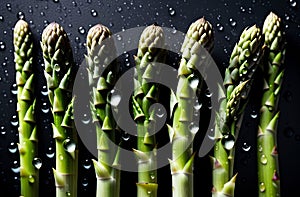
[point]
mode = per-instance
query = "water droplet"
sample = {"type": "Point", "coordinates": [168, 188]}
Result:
{"type": "Point", "coordinates": [228, 141]}
{"type": "Point", "coordinates": [50, 153]}
{"type": "Point", "coordinates": [44, 91]}
{"type": "Point", "coordinates": [68, 193]}
{"type": "Point", "coordinates": [1, 18]}
{"type": "Point", "coordinates": [56, 1]}
{"type": "Point", "coordinates": [228, 39]}
{"type": "Point", "coordinates": [250, 10]}
{"type": "Point", "coordinates": [14, 89]}
{"type": "Point", "coordinates": [149, 192]}
{"type": "Point", "coordinates": [45, 108]}
{"type": "Point", "coordinates": [69, 145]}
{"type": "Point", "coordinates": [31, 179]}
{"type": "Point", "coordinates": [220, 27]}
{"type": "Point", "coordinates": [197, 105]}
{"type": "Point", "coordinates": [2, 130]}
{"type": "Point", "coordinates": [87, 164]}
{"type": "Point", "coordinates": [111, 24]}
{"type": "Point", "coordinates": [37, 163]}
{"type": "Point", "coordinates": [253, 114]}
{"type": "Point", "coordinates": [15, 167]}
{"type": "Point", "coordinates": [89, 1]}
{"type": "Point", "coordinates": [84, 182]}
{"type": "Point", "coordinates": [289, 132]}
{"type": "Point", "coordinates": [152, 176]}
{"type": "Point", "coordinates": [94, 13]}
{"type": "Point", "coordinates": [14, 121]}
{"type": "Point", "coordinates": [2, 46]}
{"type": "Point", "coordinates": [119, 9]}
{"type": "Point", "coordinates": [172, 12]}
{"type": "Point", "coordinates": [194, 128]}
{"type": "Point", "coordinates": [119, 37]}
{"type": "Point", "coordinates": [81, 30]}
{"type": "Point", "coordinates": [115, 98]}
{"type": "Point", "coordinates": [125, 136]}
{"type": "Point", "coordinates": [208, 94]}
{"type": "Point", "coordinates": [86, 119]}
{"type": "Point", "coordinates": [42, 13]}
{"type": "Point", "coordinates": [8, 7]}
{"type": "Point", "coordinates": [263, 159]}
{"type": "Point", "coordinates": [57, 67]}
{"type": "Point", "coordinates": [242, 9]}
{"type": "Point", "coordinates": [262, 187]}
{"type": "Point", "coordinates": [194, 82]}
{"type": "Point", "coordinates": [232, 22]}
{"type": "Point", "coordinates": [12, 148]}
{"type": "Point", "coordinates": [246, 147]}
{"type": "Point", "coordinates": [293, 3]}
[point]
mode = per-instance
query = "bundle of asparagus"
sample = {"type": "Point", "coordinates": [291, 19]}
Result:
{"type": "Point", "coordinates": [243, 63]}
{"type": "Point", "coordinates": [199, 34]}
{"type": "Point", "coordinates": [103, 72]}
{"type": "Point", "coordinates": [150, 51]}
{"type": "Point", "coordinates": [60, 73]}
{"type": "Point", "coordinates": [23, 45]}
{"type": "Point", "coordinates": [268, 175]}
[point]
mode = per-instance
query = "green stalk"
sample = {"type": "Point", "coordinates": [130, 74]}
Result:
{"type": "Point", "coordinates": [150, 51]}
{"type": "Point", "coordinates": [243, 63]}
{"type": "Point", "coordinates": [103, 72]}
{"type": "Point", "coordinates": [28, 148]}
{"type": "Point", "coordinates": [268, 174]}
{"type": "Point", "coordinates": [60, 74]}
{"type": "Point", "coordinates": [182, 131]}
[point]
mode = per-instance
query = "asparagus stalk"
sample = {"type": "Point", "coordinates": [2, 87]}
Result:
{"type": "Point", "coordinates": [150, 51]}
{"type": "Point", "coordinates": [60, 74]}
{"type": "Point", "coordinates": [268, 175]}
{"type": "Point", "coordinates": [182, 133]}
{"type": "Point", "coordinates": [243, 63]}
{"type": "Point", "coordinates": [103, 71]}
{"type": "Point", "coordinates": [23, 45]}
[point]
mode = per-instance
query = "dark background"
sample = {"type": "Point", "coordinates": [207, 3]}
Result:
{"type": "Point", "coordinates": [228, 18]}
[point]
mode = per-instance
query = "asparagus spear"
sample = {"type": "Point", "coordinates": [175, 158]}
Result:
{"type": "Point", "coordinates": [60, 74]}
{"type": "Point", "coordinates": [199, 34]}
{"type": "Point", "coordinates": [268, 175]}
{"type": "Point", "coordinates": [238, 77]}
{"type": "Point", "coordinates": [23, 46]}
{"type": "Point", "coordinates": [103, 72]}
{"type": "Point", "coordinates": [150, 51]}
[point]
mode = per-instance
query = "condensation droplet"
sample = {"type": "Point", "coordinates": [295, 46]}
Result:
{"type": "Point", "coordinates": [15, 167]}
{"type": "Point", "coordinates": [208, 94]}
{"type": "Point", "coordinates": [37, 163]}
{"type": "Point", "coordinates": [194, 83]}
{"type": "Point", "coordinates": [125, 136]}
{"type": "Point", "coordinates": [12, 148]}
{"type": "Point", "coordinates": [14, 121]}
{"type": "Point", "coordinates": [68, 193]}
{"type": "Point", "coordinates": [262, 187]}
{"type": "Point", "coordinates": [21, 15]}
{"type": "Point", "coordinates": [119, 9]}
{"type": "Point", "coordinates": [263, 159]}
{"type": "Point", "coordinates": [31, 179]}
{"type": "Point", "coordinates": [8, 7]}
{"type": "Point", "coordinates": [253, 114]}
{"type": "Point", "coordinates": [86, 119]}
{"type": "Point", "coordinates": [197, 105]}
{"type": "Point", "coordinates": [14, 89]}
{"type": "Point", "coordinates": [69, 145]}
{"type": "Point", "coordinates": [194, 128]}
{"type": "Point", "coordinates": [228, 141]}
{"type": "Point", "coordinates": [44, 91]}
{"type": "Point", "coordinates": [172, 11]}
{"type": "Point", "coordinates": [119, 37]}
{"type": "Point", "coordinates": [293, 3]}
{"type": "Point", "coordinates": [111, 24]}
{"type": "Point", "coordinates": [1, 18]}
{"type": "Point", "coordinates": [56, 1]}
{"type": "Point", "coordinates": [50, 153]}
{"type": "Point", "coordinates": [81, 30]}
{"type": "Point", "coordinates": [220, 27]}
{"type": "Point", "coordinates": [45, 108]}
{"type": "Point", "coordinates": [2, 46]}
{"type": "Point", "coordinates": [87, 164]}
{"type": "Point", "coordinates": [246, 147]}
{"type": "Point", "coordinates": [84, 182]}
{"type": "Point", "coordinates": [94, 13]}
{"type": "Point", "coordinates": [2, 130]}
{"type": "Point", "coordinates": [115, 98]}
{"type": "Point", "coordinates": [232, 22]}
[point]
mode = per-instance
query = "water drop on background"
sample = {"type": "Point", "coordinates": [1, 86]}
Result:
{"type": "Point", "coordinates": [125, 136]}
{"type": "Point", "coordinates": [194, 128]}
{"type": "Point", "coordinates": [263, 159]}
{"type": "Point", "coordinates": [115, 98]}
{"type": "Point", "coordinates": [14, 89]}
{"type": "Point", "coordinates": [15, 167]}
{"type": "Point", "coordinates": [8, 7]}
{"type": "Point", "coordinates": [232, 22]}
{"type": "Point", "coordinates": [21, 15]}
{"type": "Point", "coordinates": [94, 13]}
{"type": "Point", "coordinates": [44, 91]}
{"type": "Point", "coordinates": [253, 114]}
{"type": "Point", "coordinates": [208, 94]}
{"type": "Point", "coordinates": [1, 18]}
{"type": "Point", "coordinates": [119, 9]}
{"type": "Point", "coordinates": [37, 163]}
{"type": "Point", "coordinates": [293, 3]}
{"type": "Point", "coordinates": [246, 147]}
{"type": "Point", "coordinates": [172, 12]}
{"type": "Point", "coordinates": [2, 130]}
{"type": "Point", "coordinates": [14, 120]}
{"type": "Point", "coordinates": [2, 46]}
{"type": "Point", "coordinates": [220, 27]}
{"type": "Point", "coordinates": [86, 119]}
{"type": "Point", "coordinates": [56, 1]}
{"type": "Point", "coordinates": [45, 108]}
{"type": "Point", "coordinates": [228, 141]}
{"type": "Point", "coordinates": [12, 148]}
{"type": "Point", "coordinates": [50, 153]}
{"type": "Point", "coordinates": [84, 182]}
{"type": "Point", "coordinates": [81, 30]}
{"type": "Point", "coordinates": [86, 164]}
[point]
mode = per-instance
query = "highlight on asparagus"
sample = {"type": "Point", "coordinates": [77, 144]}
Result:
{"type": "Point", "coordinates": [238, 79]}
{"type": "Point", "coordinates": [28, 147]}
{"type": "Point", "coordinates": [60, 72]}
{"type": "Point", "coordinates": [103, 72]}
{"type": "Point", "coordinates": [183, 129]}
{"type": "Point", "coordinates": [150, 51]}
{"type": "Point", "coordinates": [268, 174]}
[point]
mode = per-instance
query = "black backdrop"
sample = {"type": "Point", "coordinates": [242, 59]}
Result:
{"type": "Point", "coordinates": [228, 19]}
